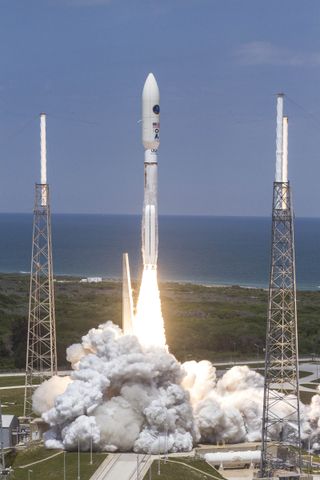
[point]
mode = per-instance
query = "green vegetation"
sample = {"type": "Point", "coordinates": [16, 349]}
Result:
{"type": "Point", "coordinates": [189, 468]}
{"type": "Point", "coordinates": [197, 463]}
{"type": "Point", "coordinates": [214, 323]}
{"type": "Point", "coordinates": [223, 323]}
{"type": "Point", "coordinates": [303, 374]}
{"type": "Point", "coordinates": [52, 468]}
{"type": "Point", "coordinates": [79, 307]}
{"type": "Point", "coordinates": [311, 385]}
{"type": "Point", "coordinates": [12, 381]}
{"type": "Point", "coordinates": [12, 401]}
{"type": "Point", "coordinates": [305, 397]}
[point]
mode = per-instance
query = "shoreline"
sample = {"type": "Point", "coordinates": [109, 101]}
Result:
{"type": "Point", "coordinates": [59, 276]}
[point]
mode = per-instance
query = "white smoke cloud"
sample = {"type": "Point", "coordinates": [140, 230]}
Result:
{"type": "Point", "coordinates": [74, 354]}
{"type": "Point", "coordinates": [44, 397]}
{"type": "Point", "coordinates": [122, 396]}
{"type": "Point", "coordinates": [125, 393]}
{"type": "Point", "coordinates": [199, 380]}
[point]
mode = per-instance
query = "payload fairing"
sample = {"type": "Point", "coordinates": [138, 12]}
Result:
{"type": "Point", "coordinates": [151, 142]}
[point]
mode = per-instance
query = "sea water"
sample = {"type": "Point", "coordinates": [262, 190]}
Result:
{"type": "Point", "coordinates": [199, 249]}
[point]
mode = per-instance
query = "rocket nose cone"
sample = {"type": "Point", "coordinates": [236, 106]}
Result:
{"type": "Point", "coordinates": [151, 114]}
{"type": "Point", "coordinates": [151, 80]}
{"type": "Point", "coordinates": [150, 85]}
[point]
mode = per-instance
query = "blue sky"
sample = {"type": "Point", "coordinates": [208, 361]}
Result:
{"type": "Point", "coordinates": [218, 63]}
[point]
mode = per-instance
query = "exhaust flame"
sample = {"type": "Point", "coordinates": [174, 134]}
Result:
{"type": "Point", "coordinates": [148, 323]}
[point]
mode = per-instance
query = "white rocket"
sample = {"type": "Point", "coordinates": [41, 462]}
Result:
{"type": "Point", "coordinates": [151, 142]}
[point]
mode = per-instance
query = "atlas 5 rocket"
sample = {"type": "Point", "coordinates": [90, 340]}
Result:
{"type": "Point", "coordinates": [151, 142]}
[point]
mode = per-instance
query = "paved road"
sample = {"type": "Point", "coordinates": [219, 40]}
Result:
{"type": "Point", "coordinates": [243, 474]}
{"type": "Point", "coordinates": [12, 387]}
{"type": "Point", "coordinates": [105, 467]}
{"type": "Point", "coordinates": [261, 362]}
{"type": "Point", "coordinates": [123, 467]}
{"type": "Point", "coordinates": [22, 374]}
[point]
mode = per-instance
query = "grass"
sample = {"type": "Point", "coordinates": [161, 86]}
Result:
{"type": "Point", "coordinates": [174, 471]}
{"type": "Point", "coordinates": [305, 397]}
{"type": "Point", "coordinates": [52, 469]}
{"type": "Point", "coordinates": [303, 374]}
{"type": "Point", "coordinates": [84, 305]}
{"type": "Point", "coordinates": [12, 401]}
{"type": "Point", "coordinates": [11, 381]}
{"type": "Point", "coordinates": [198, 463]}
{"type": "Point", "coordinates": [310, 385]}
{"type": "Point", "coordinates": [214, 323]}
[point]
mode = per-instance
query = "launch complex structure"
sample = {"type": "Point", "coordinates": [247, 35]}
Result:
{"type": "Point", "coordinates": [281, 361]}
{"type": "Point", "coordinates": [281, 384]}
{"type": "Point", "coordinates": [41, 358]}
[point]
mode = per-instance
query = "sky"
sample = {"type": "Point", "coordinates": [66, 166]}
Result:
{"type": "Point", "coordinates": [219, 65]}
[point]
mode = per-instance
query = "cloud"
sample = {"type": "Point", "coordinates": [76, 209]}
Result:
{"type": "Point", "coordinates": [265, 53]}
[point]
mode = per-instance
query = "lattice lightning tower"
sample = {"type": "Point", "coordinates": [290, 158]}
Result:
{"type": "Point", "coordinates": [281, 440]}
{"type": "Point", "coordinates": [41, 358]}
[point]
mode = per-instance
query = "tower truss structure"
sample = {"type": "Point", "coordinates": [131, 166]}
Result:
{"type": "Point", "coordinates": [281, 439]}
{"type": "Point", "coordinates": [41, 357]}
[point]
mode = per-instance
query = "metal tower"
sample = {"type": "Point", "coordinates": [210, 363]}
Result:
{"type": "Point", "coordinates": [41, 358]}
{"type": "Point", "coordinates": [281, 414]}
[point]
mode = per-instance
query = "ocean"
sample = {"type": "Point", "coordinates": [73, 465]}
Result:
{"type": "Point", "coordinates": [198, 249]}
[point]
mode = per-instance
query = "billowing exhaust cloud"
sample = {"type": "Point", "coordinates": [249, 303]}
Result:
{"type": "Point", "coordinates": [122, 395]}
{"type": "Point", "coordinates": [125, 396]}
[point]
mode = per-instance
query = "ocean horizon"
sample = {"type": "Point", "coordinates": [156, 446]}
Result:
{"type": "Point", "coordinates": [209, 250]}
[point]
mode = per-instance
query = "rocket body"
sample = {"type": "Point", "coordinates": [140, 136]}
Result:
{"type": "Point", "coordinates": [151, 141]}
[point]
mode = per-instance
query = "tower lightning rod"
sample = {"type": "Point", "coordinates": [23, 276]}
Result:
{"type": "Point", "coordinates": [284, 166]}
{"type": "Point", "coordinates": [43, 161]}
{"type": "Point", "coordinates": [285, 150]}
{"type": "Point", "coordinates": [279, 138]}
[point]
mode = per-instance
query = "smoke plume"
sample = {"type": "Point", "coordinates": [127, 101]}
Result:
{"type": "Point", "coordinates": [124, 396]}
